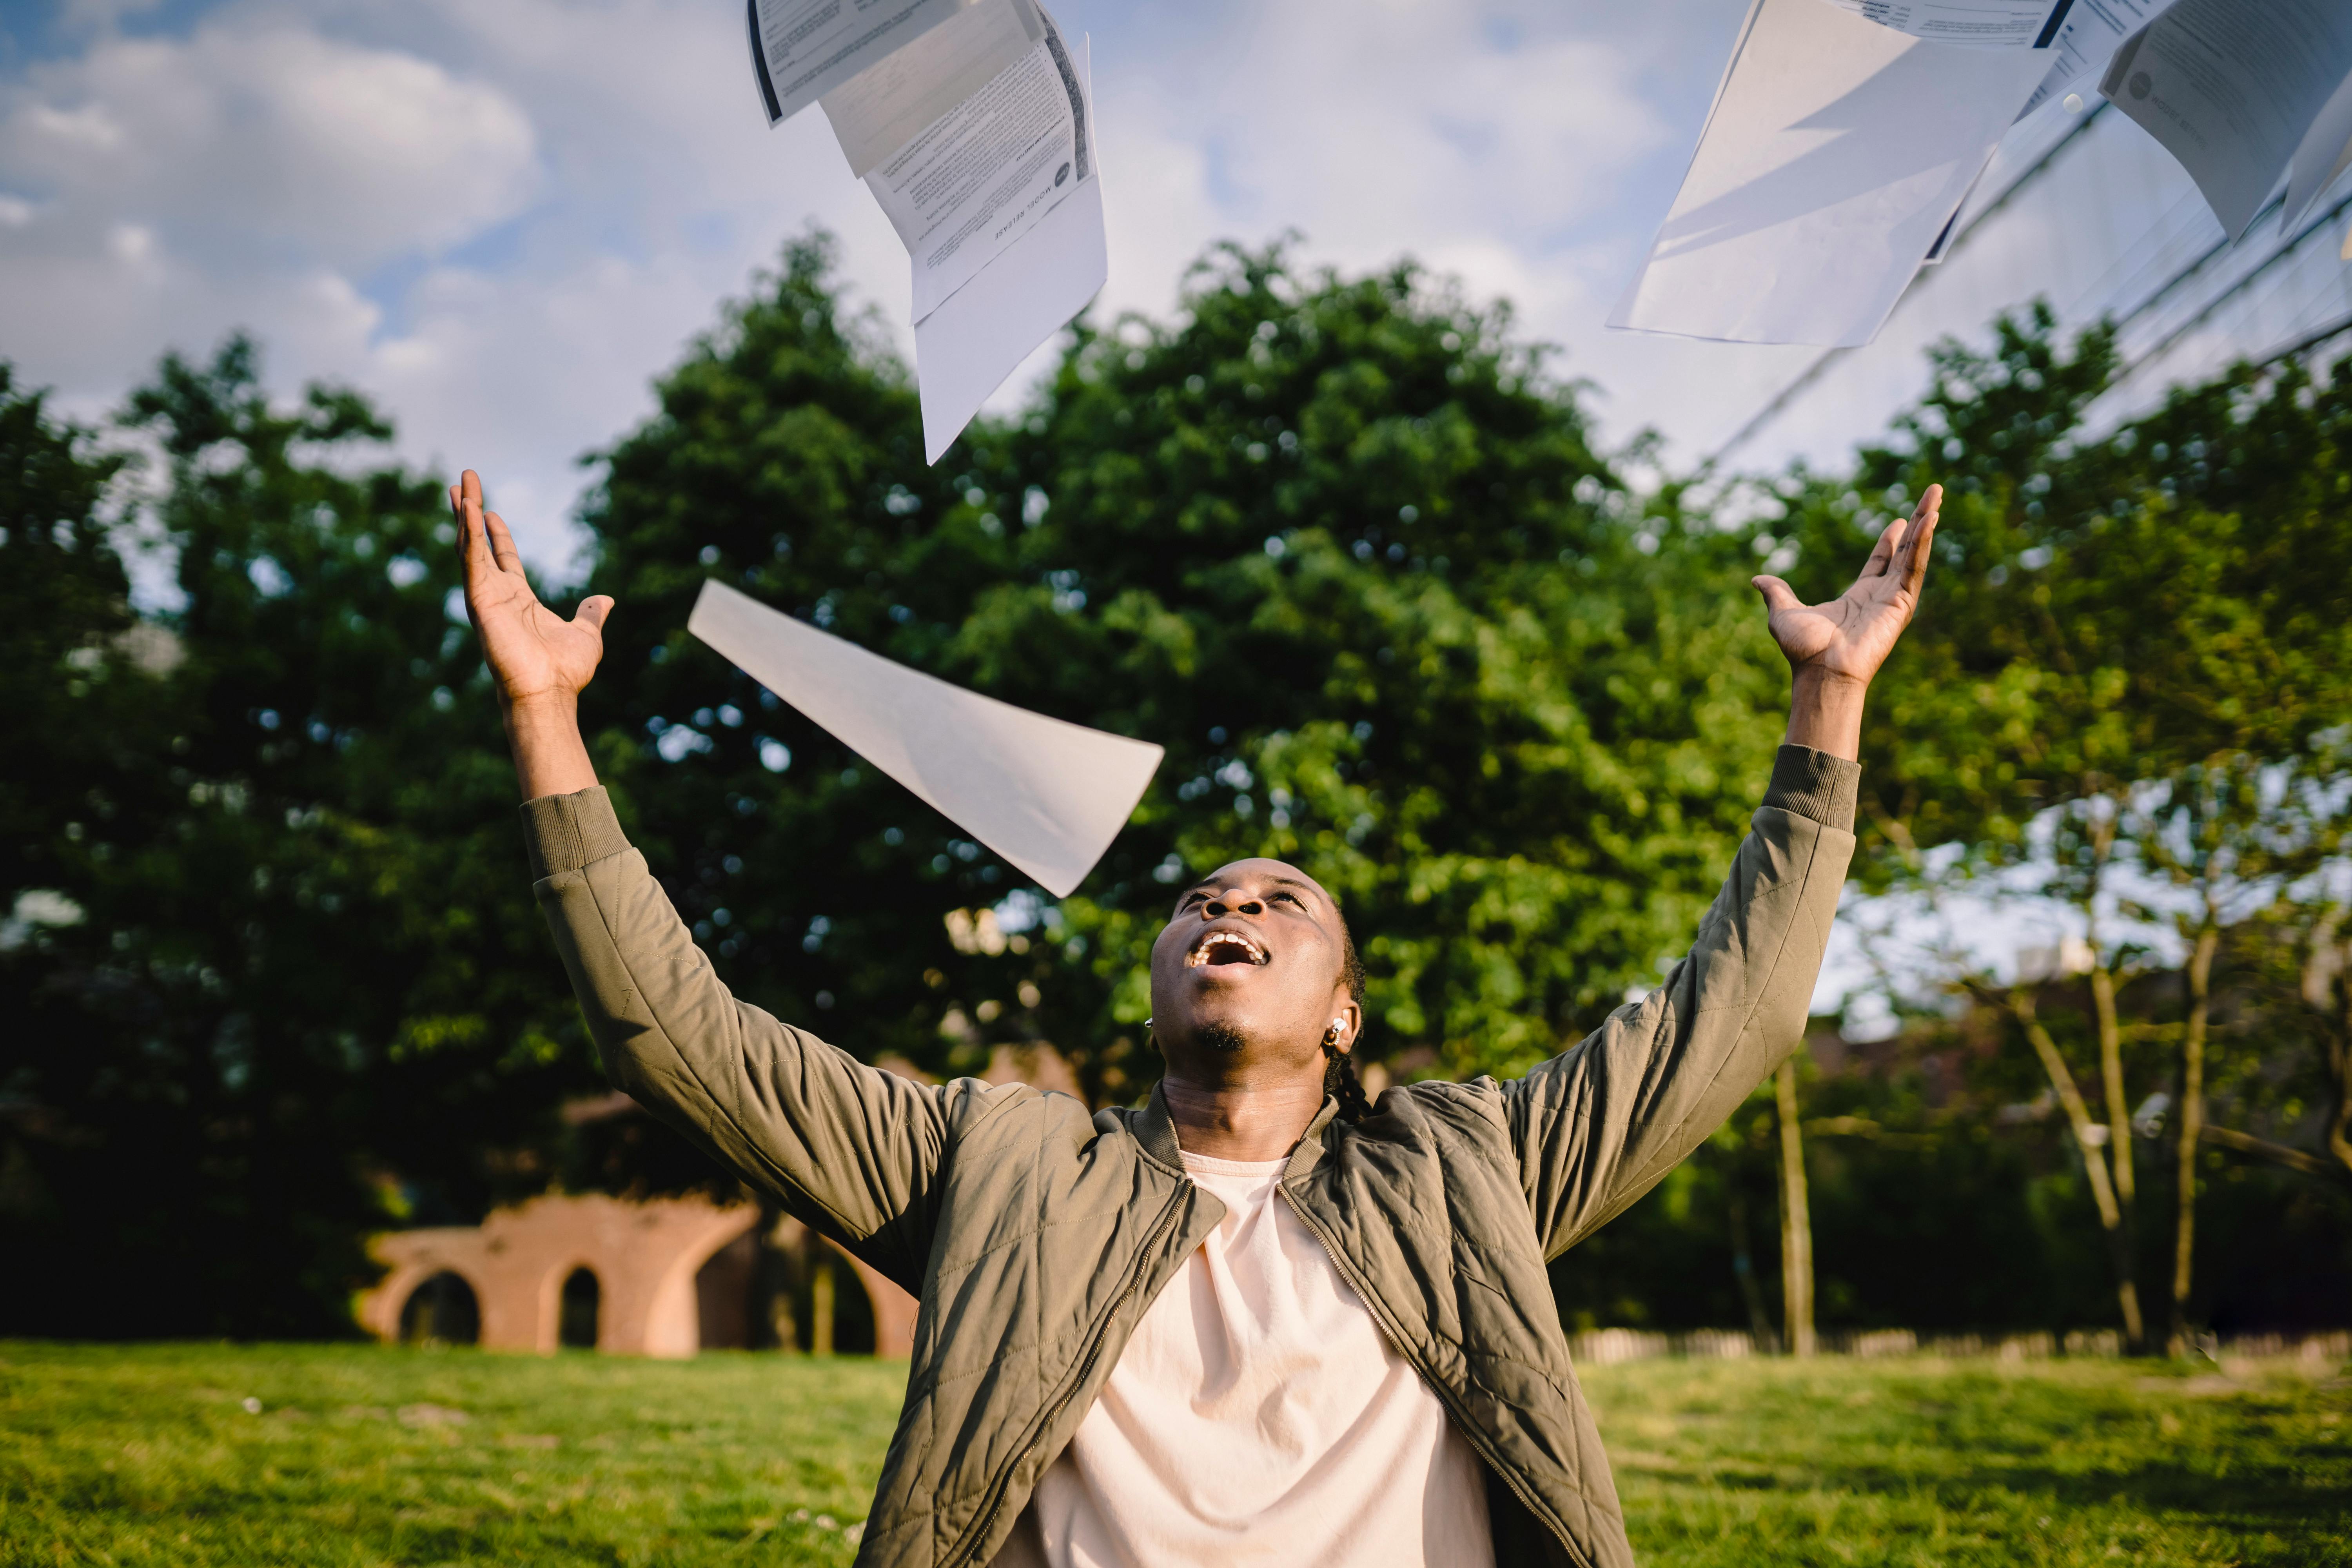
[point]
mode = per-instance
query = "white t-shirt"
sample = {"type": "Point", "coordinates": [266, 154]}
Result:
{"type": "Point", "coordinates": [1258, 1416]}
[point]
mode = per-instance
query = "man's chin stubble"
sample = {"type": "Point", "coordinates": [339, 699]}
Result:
{"type": "Point", "coordinates": [1222, 1037]}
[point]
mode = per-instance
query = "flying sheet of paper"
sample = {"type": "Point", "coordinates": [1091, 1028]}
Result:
{"type": "Point", "coordinates": [2231, 89]}
{"type": "Point", "coordinates": [1047, 796]}
{"type": "Point", "coordinates": [1970, 23]}
{"type": "Point", "coordinates": [980, 334]}
{"type": "Point", "coordinates": [973, 123]}
{"type": "Point", "coordinates": [1942, 243]}
{"type": "Point", "coordinates": [2325, 153]}
{"type": "Point", "coordinates": [1836, 153]}
{"type": "Point", "coordinates": [889, 105]}
{"type": "Point", "coordinates": [975, 180]}
{"type": "Point", "coordinates": [965, 349]}
{"type": "Point", "coordinates": [802, 49]}
{"type": "Point", "coordinates": [2094, 30]}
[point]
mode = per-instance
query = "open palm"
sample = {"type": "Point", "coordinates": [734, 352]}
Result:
{"type": "Point", "coordinates": [1851, 636]}
{"type": "Point", "coordinates": [532, 651]}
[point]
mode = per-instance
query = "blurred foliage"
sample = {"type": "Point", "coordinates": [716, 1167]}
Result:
{"type": "Point", "coordinates": [64, 610]}
{"type": "Point", "coordinates": [1342, 545]}
{"type": "Point", "coordinates": [2129, 697]}
{"type": "Point", "coordinates": [272, 974]}
{"type": "Point", "coordinates": [2108, 609]}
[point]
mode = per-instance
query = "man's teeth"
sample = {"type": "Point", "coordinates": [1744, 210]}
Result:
{"type": "Point", "coordinates": [1250, 951]}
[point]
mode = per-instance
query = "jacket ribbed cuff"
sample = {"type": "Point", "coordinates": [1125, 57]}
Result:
{"type": "Point", "coordinates": [564, 832]}
{"type": "Point", "coordinates": [1816, 784]}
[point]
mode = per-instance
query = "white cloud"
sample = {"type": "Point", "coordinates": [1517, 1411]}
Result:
{"type": "Point", "coordinates": [270, 136]}
{"type": "Point", "coordinates": [1376, 130]}
{"type": "Point", "coordinates": [1529, 150]}
{"type": "Point", "coordinates": [88, 16]}
{"type": "Point", "coordinates": [504, 221]}
{"type": "Point", "coordinates": [132, 244]}
{"type": "Point", "coordinates": [324, 191]}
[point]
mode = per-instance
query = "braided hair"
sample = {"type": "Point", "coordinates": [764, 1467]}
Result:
{"type": "Point", "coordinates": [1340, 1079]}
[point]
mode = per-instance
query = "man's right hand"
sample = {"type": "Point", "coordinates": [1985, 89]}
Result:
{"type": "Point", "coordinates": [533, 653]}
{"type": "Point", "coordinates": [538, 659]}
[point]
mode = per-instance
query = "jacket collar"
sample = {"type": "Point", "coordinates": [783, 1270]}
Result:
{"type": "Point", "coordinates": [1155, 1128]}
{"type": "Point", "coordinates": [1310, 1148]}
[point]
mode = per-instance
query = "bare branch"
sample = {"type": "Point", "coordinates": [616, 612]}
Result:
{"type": "Point", "coordinates": [2276, 1154]}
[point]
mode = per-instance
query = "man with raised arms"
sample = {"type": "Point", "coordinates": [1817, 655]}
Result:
{"type": "Point", "coordinates": [1256, 1321]}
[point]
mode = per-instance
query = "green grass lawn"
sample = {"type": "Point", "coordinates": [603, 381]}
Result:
{"type": "Point", "coordinates": [218, 1455]}
{"type": "Point", "coordinates": [1962, 1462]}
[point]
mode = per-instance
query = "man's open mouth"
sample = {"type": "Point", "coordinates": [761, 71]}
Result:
{"type": "Point", "coordinates": [1224, 947]}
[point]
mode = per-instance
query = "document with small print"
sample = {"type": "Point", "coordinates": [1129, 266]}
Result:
{"type": "Point", "coordinates": [972, 182]}
{"type": "Point", "coordinates": [974, 129]}
{"type": "Point", "coordinates": [802, 49]}
{"type": "Point", "coordinates": [887, 106]}
{"type": "Point", "coordinates": [1972, 23]}
{"type": "Point", "coordinates": [2234, 88]}
{"type": "Point", "coordinates": [2093, 32]}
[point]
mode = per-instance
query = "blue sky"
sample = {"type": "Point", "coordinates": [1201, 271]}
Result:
{"type": "Point", "coordinates": [503, 219]}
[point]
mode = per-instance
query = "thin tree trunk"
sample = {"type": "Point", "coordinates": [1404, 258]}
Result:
{"type": "Point", "coordinates": [821, 1285]}
{"type": "Point", "coordinates": [1743, 1267]}
{"type": "Point", "coordinates": [2111, 1075]}
{"type": "Point", "coordinates": [2111, 1041]}
{"type": "Point", "coordinates": [1796, 1219]}
{"type": "Point", "coordinates": [2192, 1121]}
{"type": "Point", "coordinates": [2095, 1165]}
{"type": "Point", "coordinates": [2124, 1246]}
{"type": "Point", "coordinates": [783, 1257]}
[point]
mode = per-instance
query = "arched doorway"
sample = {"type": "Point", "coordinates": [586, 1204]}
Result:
{"type": "Point", "coordinates": [727, 1296]}
{"type": "Point", "coordinates": [838, 1316]}
{"type": "Point", "coordinates": [582, 1300]}
{"type": "Point", "coordinates": [441, 1312]}
{"type": "Point", "coordinates": [785, 1288]}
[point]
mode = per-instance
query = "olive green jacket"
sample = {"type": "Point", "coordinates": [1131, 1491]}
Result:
{"type": "Point", "coordinates": [1035, 1233]}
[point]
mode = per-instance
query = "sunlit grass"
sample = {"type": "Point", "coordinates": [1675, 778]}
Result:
{"type": "Point", "coordinates": [1923, 1461]}
{"type": "Point", "coordinates": [155, 1454]}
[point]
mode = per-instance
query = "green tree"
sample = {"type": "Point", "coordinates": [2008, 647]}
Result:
{"type": "Point", "coordinates": [1344, 547]}
{"type": "Point", "coordinates": [2122, 620]}
{"type": "Point", "coordinates": [1347, 551]}
{"type": "Point", "coordinates": [786, 459]}
{"type": "Point", "coordinates": [1341, 545]}
{"type": "Point", "coordinates": [2316, 948]}
{"type": "Point", "coordinates": [305, 989]}
{"type": "Point", "coordinates": [65, 625]}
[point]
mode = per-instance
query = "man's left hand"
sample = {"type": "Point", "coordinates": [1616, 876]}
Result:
{"type": "Point", "coordinates": [1846, 639]}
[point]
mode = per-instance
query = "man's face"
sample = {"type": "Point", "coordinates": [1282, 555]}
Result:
{"type": "Point", "coordinates": [1248, 972]}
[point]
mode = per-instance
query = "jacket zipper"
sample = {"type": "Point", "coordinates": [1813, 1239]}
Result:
{"type": "Point", "coordinates": [1462, 1421]}
{"type": "Point", "coordinates": [978, 1531]}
